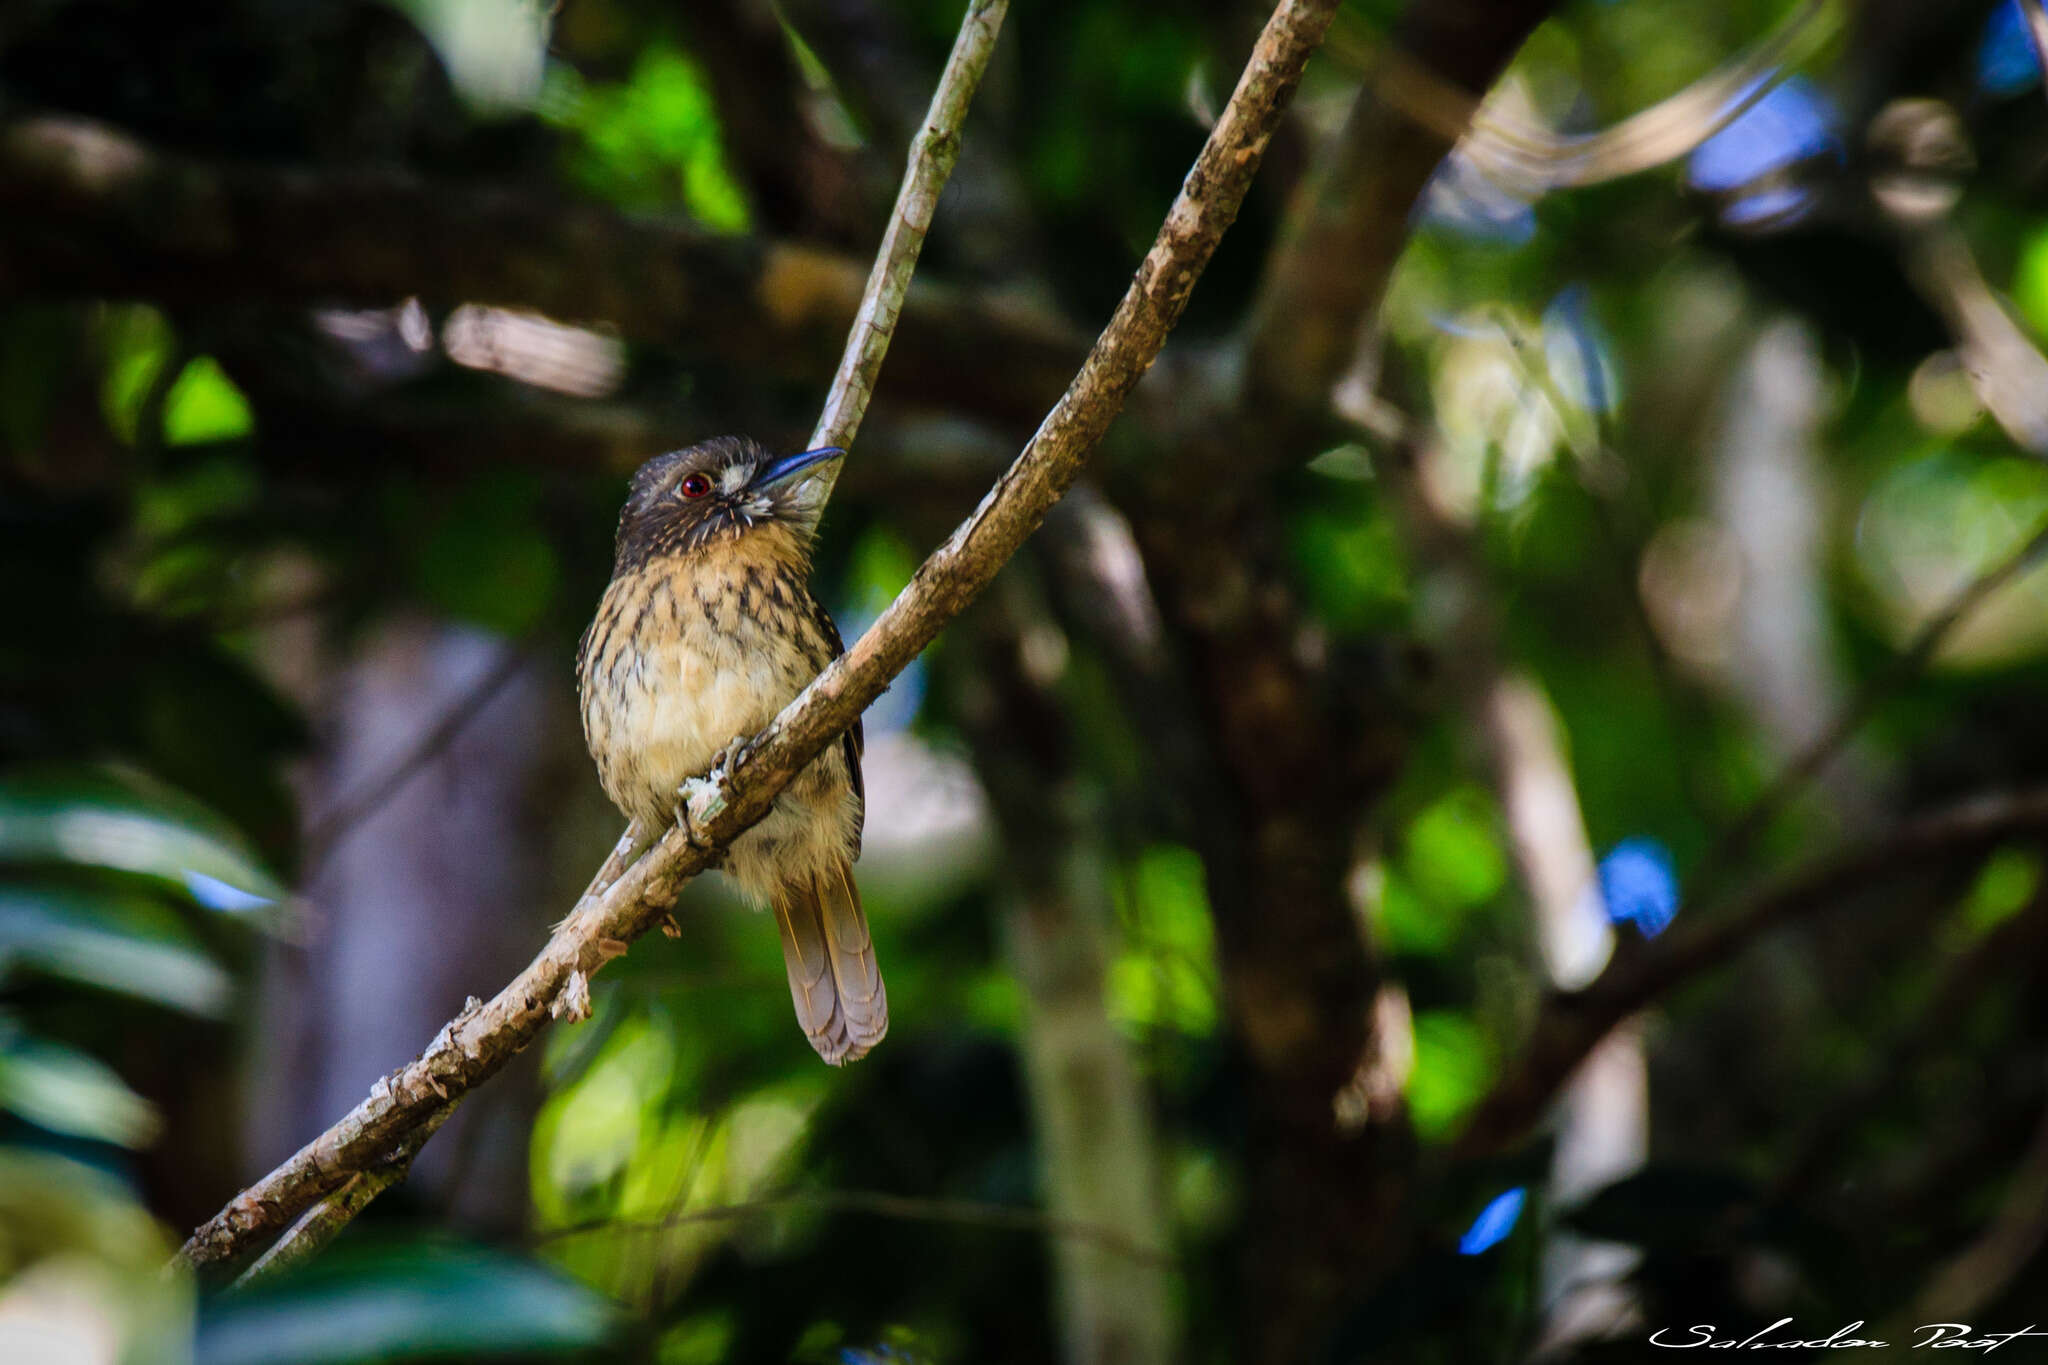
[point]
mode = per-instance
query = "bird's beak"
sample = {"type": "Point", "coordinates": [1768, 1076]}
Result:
{"type": "Point", "coordinates": [789, 466]}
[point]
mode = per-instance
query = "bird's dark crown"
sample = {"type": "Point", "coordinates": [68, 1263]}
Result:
{"type": "Point", "coordinates": [714, 493]}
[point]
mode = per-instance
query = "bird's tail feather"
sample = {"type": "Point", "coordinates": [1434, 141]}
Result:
{"type": "Point", "coordinates": [834, 979]}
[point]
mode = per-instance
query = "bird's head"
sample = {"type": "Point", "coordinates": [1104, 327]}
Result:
{"type": "Point", "coordinates": [718, 493]}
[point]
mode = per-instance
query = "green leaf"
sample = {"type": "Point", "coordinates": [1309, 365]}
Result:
{"type": "Point", "coordinates": [2030, 282]}
{"type": "Point", "coordinates": [1453, 851]}
{"type": "Point", "coordinates": [204, 405]}
{"type": "Point", "coordinates": [138, 346]}
{"type": "Point", "coordinates": [1453, 1064]}
{"type": "Point", "coordinates": [119, 943]}
{"type": "Point", "coordinates": [127, 824]}
{"type": "Point", "coordinates": [653, 141]}
{"type": "Point", "coordinates": [392, 1303]}
{"type": "Point", "coordinates": [68, 1091]}
{"type": "Point", "coordinates": [2008, 881]}
{"type": "Point", "coordinates": [1166, 977]}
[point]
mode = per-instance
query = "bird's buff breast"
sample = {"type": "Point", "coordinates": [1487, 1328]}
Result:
{"type": "Point", "coordinates": [681, 664]}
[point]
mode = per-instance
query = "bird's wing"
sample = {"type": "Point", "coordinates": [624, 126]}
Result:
{"type": "Point", "coordinates": [856, 738]}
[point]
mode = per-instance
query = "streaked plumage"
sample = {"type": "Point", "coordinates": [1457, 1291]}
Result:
{"type": "Point", "coordinates": [707, 630]}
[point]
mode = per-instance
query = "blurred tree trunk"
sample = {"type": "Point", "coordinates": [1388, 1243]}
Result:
{"type": "Point", "coordinates": [1769, 497]}
{"type": "Point", "coordinates": [429, 896]}
{"type": "Point", "coordinates": [1096, 1147]}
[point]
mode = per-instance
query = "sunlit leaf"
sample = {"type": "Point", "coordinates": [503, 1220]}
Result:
{"type": "Point", "coordinates": [2008, 882]}
{"type": "Point", "coordinates": [127, 825]}
{"type": "Point", "coordinates": [1165, 979]}
{"type": "Point", "coordinates": [117, 943]}
{"type": "Point", "coordinates": [70, 1092]}
{"type": "Point", "coordinates": [138, 346]}
{"type": "Point", "coordinates": [652, 142]}
{"type": "Point", "coordinates": [701, 1339]}
{"type": "Point", "coordinates": [204, 405]}
{"type": "Point", "coordinates": [1402, 920]}
{"type": "Point", "coordinates": [2030, 281]}
{"type": "Point", "coordinates": [1934, 523]}
{"type": "Point", "coordinates": [1453, 1063]}
{"type": "Point", "coordinates": [1454, 854]}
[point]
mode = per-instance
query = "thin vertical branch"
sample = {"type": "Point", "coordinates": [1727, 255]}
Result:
{"type": "Point", "coordinates": [933, 153]}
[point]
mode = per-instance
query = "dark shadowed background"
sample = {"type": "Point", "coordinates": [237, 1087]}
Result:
{"type": "Point", "coordinates": [1508, 815]}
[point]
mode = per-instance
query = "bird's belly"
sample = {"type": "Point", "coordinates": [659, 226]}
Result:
{"type": "Point", "coordinates": [674, 674]}
{"type": "Point", "coordinates": [682, 701]}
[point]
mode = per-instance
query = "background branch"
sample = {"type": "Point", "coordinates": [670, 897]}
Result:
{"type": "Point", "coordinates": [334, 824]}
{"type": "Point", "coordinates": [1571, 1023]}
{"type": "Point", "coordinates": [87, 210]}
{"type": "Point", "coordinates": [954, 1212]}
{"type": "Point", "coordinates": [1348, 222]}
{"type": "Point", "coordinates": [1811, 761]}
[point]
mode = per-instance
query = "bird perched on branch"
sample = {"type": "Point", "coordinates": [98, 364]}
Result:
{"type": "Point", "coordinates": [707, 630]}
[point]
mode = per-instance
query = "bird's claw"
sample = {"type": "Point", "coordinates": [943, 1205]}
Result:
{"type": "Point", "coordinates": [700, 798]}
{"type": "Point", "coordinates": [722, 761]}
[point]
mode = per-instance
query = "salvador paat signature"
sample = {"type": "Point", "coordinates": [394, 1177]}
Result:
{"type": "Point", "coordinates": [1782, 1335]}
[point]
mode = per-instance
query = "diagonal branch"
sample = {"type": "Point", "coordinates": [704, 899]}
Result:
{"type": "Point", "coordinates": [1811, 761]}
{"type": "Point", "coordinates": [333, 825]}
{"type": "Point", "coordinates": [1572, 1022]}
{"type": "Point", "coordinates": [1349, 220]}
{"type": "Point", "coordinates": [323, 1222]}
{"type": "Point", "coordinates": [480, 1041]}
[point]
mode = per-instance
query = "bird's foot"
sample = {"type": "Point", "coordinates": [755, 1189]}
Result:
{"type": "Point", "coordinates": [722, 761]}
{"type": "Point", "coordinates": [701, 798]}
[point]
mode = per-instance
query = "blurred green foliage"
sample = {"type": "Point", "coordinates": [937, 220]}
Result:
{"type": "Point", "coordinates": [1581, 356]}
{"type": "Point", "coordinates": [650, 142]}
{"type": "Point", "coordinates": [1165, 977]}
{"type": "Point", "coordinates": [417, 1300]}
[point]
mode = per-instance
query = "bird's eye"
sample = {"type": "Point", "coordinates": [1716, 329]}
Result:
{"type": "Point", "coordinates": [696, 486]}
